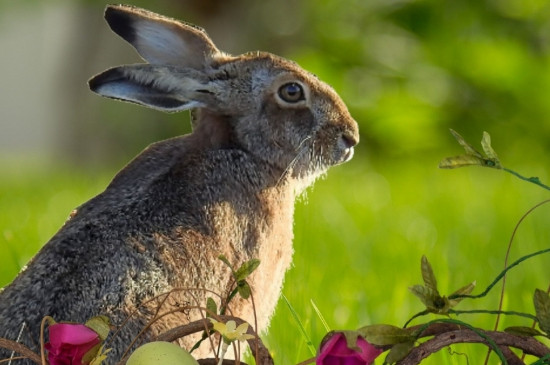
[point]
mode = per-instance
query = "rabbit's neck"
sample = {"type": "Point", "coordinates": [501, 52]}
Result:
{"type": "Point", "coordinates": [245, 214]}
{"type": "Point", "coordinates": [259, 227]}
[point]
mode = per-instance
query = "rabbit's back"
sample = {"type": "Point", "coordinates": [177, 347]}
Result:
{"type": "Point", "coordinates": [127, 245]}
{"type": "Point", "coordinates": [264, 130]}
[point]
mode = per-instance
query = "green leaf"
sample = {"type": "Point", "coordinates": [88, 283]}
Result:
{"type": "Point", "coordinates": [385, 334]}
{"type": "Point", "coordinates": [542, 309]}
{"type": "Point", "coordinates": [92, 353]}
{"type": "Point", "coordinates": [489, 151]}
{"type": "Point", "coordinates": [244, 289]}
{"type": "Point", "coordinates": [211, 306]}
{"type": "Point", "coordinates": [428, 274]}
{"type": "Point", "coordinates": [100, 325]}
{"type": "Point", "coordinates": [465, 290]}
{"type": "Point", "coordinates": [325, 324]}
{"type": "Point", "coordinates": [226, 261]}
{"type": "Point", "coordinates": [523, 331]}
{"type": "Point", "coordinates": [487, 148]}
{"type": "Point", "coordinates": [472, 156]}
{"type": "Point", "coordinates": [310, 346]}
{"type": "Point", "coordinates": [100, 356]}
{"type": "Point", "coordinates": [441, 305]}
{"type": "Point", "coordinates": [246, 269]}
{"type": "Point", "coordinates": [398, 352]}
{"type": "Point", "coordinates": [434, 302]}
{"type": "Point", "coordinates": [351, 339]}
{"type": "Point", "coordinates": [426, 295]}
{"type": "Point", "coordinates": [462, 161]}
{"type": "Point", "coordinates": [470, 150]}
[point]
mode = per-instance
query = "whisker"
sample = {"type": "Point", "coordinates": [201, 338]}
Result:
{"type": "Point", "coordinates": [301, 149]}
{"type": "Point", "coordinates": [304, 141]}
{"type": "Point", "coordinates": [291, 165]}
{"type": "Point", "coordinates": [18, 340]}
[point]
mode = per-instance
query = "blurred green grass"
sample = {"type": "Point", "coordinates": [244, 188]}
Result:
{"type": "Point", "coordinates": [35, 199]}
{"type": "Point", "coordinates": [408, 71]}
{"type": "Point", "coordinates": [359, 237]}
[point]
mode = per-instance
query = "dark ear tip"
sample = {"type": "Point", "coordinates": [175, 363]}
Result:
{"type": "Point", "coordinates": [101, 79]}
{"type": "Point", "coordinates": [120, 19]}
{"type": "Point", "coordinates": [94, 82]}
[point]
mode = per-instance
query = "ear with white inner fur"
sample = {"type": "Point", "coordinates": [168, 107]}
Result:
{"type": "Point", "coordinates": [161, 40]}
{"type": "Point", "coordinates": [159, 87]}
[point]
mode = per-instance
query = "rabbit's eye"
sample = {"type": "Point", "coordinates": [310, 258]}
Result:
{"type": "Point", "coordinates": [291, 92]}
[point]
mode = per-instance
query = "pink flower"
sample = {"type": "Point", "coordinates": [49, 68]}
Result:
{"type": "Point", "coordinates": [69, 343]}
{"type": "Point", "coordinates": [335, 351]}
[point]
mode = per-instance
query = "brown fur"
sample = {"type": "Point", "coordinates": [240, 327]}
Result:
{"type": "Point", "coordinates": [264, 130]}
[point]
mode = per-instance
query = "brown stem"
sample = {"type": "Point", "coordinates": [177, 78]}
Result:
{"type": "Point", "coordinates": [502, 290]}
{"type": "Point", "coordinates": [448, 334]}
{"type": "Point", "coordinates": [510, 356]}
{"type": "Point", "coordinates": [215, 362]}
{"type": "Point", "coordinates": [255, 322]}
{"type": "Point", "coordinates": [163, 297]}
{"type": "Point", "coordinates": [308, 361]}
{"type": "Point", "coordinates": [20, 349]}
{"type": "Point", "coordinates": [262, 358]}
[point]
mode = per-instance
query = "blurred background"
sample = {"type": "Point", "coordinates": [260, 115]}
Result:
{"type": "Point", "coordinates": [408, 69]}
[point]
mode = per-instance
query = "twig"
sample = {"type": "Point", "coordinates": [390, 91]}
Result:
{"type": "Point", "coordinates": [215, 362]}
{"type": "Point", "coordinates": [308, 361]}
{"type": "Point", "coordinates": [256, 349]}
{"type": "Point", "coordinates": [506, 257]}
{"type": "Point", "coordinates": [42, 326]}
{"type": "Point", "coordinates": [419, 314]}
{"type": "Point", "coordinates": [528, 345]}
{"type": "Point", "coordinates": [500, 276]}
{"type": "Point", "coordinates": [518, 224]}
{"type": "Point", "coordinates": [20, 349]}
{"type": "Point", "coordinates": [497, 312]}
{"type": "Point", "coordinates": [163, 297]}
{"type": "Point", "coordinates": [534, 180]}
{"type": "Point", "coordinates": [262, 358]}
{"type": "Point", "coordinates": [446, 334]}
{"type": "Point", "coordinates": [511, 357]}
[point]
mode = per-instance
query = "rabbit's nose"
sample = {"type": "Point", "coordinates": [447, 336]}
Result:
{"type": "Point", "coordinates": [350, 132]}
{"type": "Point", "coordinates": [346, 143]}
{"type": "Point", "coordinates": [349, 140]}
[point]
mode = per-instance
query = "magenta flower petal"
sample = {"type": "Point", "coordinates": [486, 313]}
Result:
{"type": "Point", "coordinates": [369, 352]}
{"type": "Point", "coordinates": [336, 352]}
{"type": "Point", "coordinates": [73, 334]}
{"type": "Point", "coordinates": [69, 343]}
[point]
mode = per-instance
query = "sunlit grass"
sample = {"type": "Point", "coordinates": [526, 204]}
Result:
{"type": "Point", "coordinates": [359, 237]}
{"type": "Point", "coordinates": [35, 200]}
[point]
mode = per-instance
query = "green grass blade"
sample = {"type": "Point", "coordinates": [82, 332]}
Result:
{"type": "Point", "coordinates": [310, 346]}
{"type": "Point", "coordinates": [325, 324]}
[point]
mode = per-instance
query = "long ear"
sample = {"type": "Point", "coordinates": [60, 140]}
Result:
{"type": "Point", "coordinates": [165, 88]}
{"type": "Point", "coordinates": [161, 40]}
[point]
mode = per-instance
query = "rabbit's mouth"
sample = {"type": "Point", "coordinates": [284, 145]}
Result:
{"type": "Point", "coordinates": [341, 156]}
{"type": "Point", "coordinates": [311, 163]}
{"type": "Point", "coordinates": [348, 154]}
{"type": "Point", "coordinates": [345, 149]}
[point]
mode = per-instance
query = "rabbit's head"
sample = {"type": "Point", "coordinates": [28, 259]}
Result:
{"type": "Point", "coordinates": [259, 102]}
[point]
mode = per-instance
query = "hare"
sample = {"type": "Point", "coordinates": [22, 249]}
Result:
{"type": "Point", "coordinates": [263, 130]}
